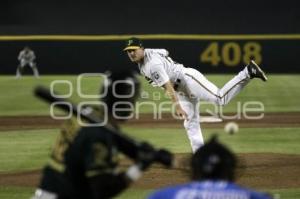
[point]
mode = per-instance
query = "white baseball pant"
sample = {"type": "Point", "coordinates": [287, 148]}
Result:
{"type": "Point", "coordinates": [195, 87]}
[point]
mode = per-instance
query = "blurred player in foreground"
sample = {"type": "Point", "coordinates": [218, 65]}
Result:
{"type": "Point", "coordinates": [213, 172]}
{"type": "Point", "coordinates": [27, 57]}
{"type": "Point", "coordinates": [187, 86]}
{"type": "Point", "coordinates": [84, 161]}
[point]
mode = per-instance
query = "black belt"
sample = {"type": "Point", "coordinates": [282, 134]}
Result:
{"type": "Point", "coordinates": [176, 84]}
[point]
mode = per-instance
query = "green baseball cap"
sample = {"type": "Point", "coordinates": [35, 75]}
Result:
{"type": "Point", "coordinates": [133, 43]}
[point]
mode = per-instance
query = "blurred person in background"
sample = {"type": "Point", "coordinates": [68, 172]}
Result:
{"type": "Point", "coordinates": [27, 57]}
{"type": "Point", "coordinates": [213, 169]}
{"type": "Point", "coordinates": [84, 162]}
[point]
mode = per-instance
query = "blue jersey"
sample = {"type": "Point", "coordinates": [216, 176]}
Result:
{"type": "Point", "coordinates": [208, 190]}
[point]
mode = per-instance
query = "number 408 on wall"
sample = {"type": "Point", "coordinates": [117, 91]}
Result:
{"type": "Point", "coordinates": [231, 53]}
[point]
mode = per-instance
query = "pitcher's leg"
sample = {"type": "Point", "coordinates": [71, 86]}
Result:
{"type": "Point", "coordinates": [192, 127]}
{"type": "Point", "coordinates": [202, 88]}
{"type": "Point", "coordinates": [192, 124]}
{"type": "Point", "coordinates": [234, 86]}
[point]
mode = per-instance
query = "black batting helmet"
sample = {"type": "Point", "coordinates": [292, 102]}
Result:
{"type": "Point", "coordinates": [213, 161]}
{"type": "Point", "coordinates": [119, 92]}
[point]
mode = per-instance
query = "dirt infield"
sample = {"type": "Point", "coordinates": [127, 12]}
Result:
{"type": "Point", "coordinates": [255, 170]}
{"type": "Point", "coordinates": [146, 120]}
{"type": "Point", "coordinates": [259, 170]}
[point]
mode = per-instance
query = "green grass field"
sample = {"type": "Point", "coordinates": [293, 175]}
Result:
{"type": "Point", "coordinates": [23, 150]}
{"type": "Point", "coordinates": [280, 94]}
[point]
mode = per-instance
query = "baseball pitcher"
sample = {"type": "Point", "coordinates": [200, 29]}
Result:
{"type": "Point", "coordinates": [27, 57]}
{"type": "Point", "coordinates": [187, 86]}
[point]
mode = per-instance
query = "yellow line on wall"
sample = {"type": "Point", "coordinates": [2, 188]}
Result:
{"type": "Point", "coordinates": [149, 37]}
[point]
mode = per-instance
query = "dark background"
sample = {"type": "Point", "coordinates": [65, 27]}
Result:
{"type": "Point", "coordinates": [122, 17]}
{"type": "Point", "coordinates": [155, 16]}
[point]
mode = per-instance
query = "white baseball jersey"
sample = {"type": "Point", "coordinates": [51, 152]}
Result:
{"type": "Point", "coordinates": [158, 68]}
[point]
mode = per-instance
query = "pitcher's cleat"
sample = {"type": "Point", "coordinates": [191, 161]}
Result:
{"type": "Point", "coordinates": [256, 72]}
